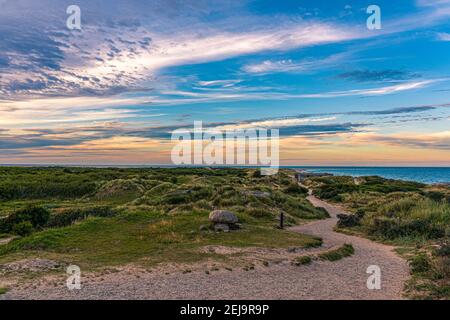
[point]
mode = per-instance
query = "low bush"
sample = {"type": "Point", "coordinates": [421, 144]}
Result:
{"type": "Point", "coordinates": [295, 188]}
{"type": "Point", "coordinates": [435, 195]}
{"type": "Point", "coordinates": [303, 260]}
{"type": "Point", "coordinates": [35, 215]}
{"type": "Point", "coordinates": [23, 228]}
{"type": "Point", "coordinates": [69, 216]}
{"type": "Point", "coordinates": [420, 263]}
{"type": "Point", "coordinates": [350, 220]}
{"type": "Point", "coordinates": [393, 228]}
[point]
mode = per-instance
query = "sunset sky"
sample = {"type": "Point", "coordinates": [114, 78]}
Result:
{"type": "Point", "coordinates": [112, 92]}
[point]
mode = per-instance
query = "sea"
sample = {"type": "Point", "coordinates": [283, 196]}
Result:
{"type": "Point", "coordinates": [429, 175]}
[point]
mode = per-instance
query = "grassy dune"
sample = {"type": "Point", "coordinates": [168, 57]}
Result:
{"type": "Point", "coordinates": [147, 216]}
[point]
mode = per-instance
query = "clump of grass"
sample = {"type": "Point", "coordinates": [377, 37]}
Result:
{"type": "Point", "coordinates": [419, 263]}
{"type": "Point", "coordinates": [317, 242]}
{"type": "Point", "coordinates": [3, 290]}
{"type": "Point", "coordinates": [302, 260]}
{"type": "Point", "coordinates": [333, 255]}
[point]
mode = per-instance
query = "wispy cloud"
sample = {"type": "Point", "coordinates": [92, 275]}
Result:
{"type": "Point", "coordinates": [443, 36]}
{"type": "Point", "coordinates": [378, 75]}
{"type": "Point", "coordinates": [289, 65]}
{"type": "Point", "coordinates": [219, 83]}
{"type": "Point", "coordinates": [437, 140]}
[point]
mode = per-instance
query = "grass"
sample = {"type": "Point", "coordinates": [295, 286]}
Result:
{"type": "Point", "coordinates": [3, 290]}
{"type": "Point", "coordinates": [147, 238]}
{"type": "Point", "coordinates": [337, 254]}
{"type": "Point", "coordinates": [302, 260]}
{"type": "Point", "coordinates": [157, 214]}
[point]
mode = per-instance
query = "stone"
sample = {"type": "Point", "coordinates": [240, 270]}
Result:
{"type": "Point", "coordinates": [223, 216]}
{"type": "Point", "coordinates": [259, 194]}
{"type": "Point", "coordinates": [221, 227]}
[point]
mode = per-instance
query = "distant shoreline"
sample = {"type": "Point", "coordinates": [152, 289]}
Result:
{"type": "Point", "coordinates": [427, 175]}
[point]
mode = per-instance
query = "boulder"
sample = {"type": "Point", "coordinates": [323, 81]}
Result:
{"type": "Point", "coordinates": [223, 216]}
{"type": "Point", "coordinates": [221, 227]}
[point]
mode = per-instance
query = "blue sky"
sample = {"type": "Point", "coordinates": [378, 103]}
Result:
{"type": "Point", "coordinates": [111, 93]}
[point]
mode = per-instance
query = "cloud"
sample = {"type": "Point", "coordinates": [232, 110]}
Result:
{"type": "Point", "coordinates": [443, 36]}
{"type": "Point", "coordinates": [219, 83]}
{"type": "Point", "coordinates": [372, 91]}
{"type": "Point", "coordinates": [180, 97]}
{"type": "Point", "coordinates": [288, 65]}
{"type": "Point", "coordinates": [378, 75]}
{"type": "Point", "coordinates": [437, 140]}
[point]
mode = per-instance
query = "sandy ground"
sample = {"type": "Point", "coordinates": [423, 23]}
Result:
{"type": "Point", "coordinates": [343, 279]}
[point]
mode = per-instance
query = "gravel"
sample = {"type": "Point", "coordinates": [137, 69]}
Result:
{"type": "Point", "coordinates": [343, 279]}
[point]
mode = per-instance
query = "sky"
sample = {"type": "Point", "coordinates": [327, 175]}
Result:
{"type": "Point", "coordinates": [112, 93]}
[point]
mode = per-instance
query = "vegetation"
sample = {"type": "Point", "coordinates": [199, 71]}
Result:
{"type": "Point", "coordinates": [104, 217]}
{"type": "Point", "coordinates": [337, 254]}
{"type": "Point", "coordinates": [3, 290]}
{"type": "Point", "coordinates": [407, 214]}
{"type": "Point", "coordinates": [302, 260]}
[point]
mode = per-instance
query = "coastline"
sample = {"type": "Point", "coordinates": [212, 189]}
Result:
{"type": "Point", "coordinates": [426, 175]}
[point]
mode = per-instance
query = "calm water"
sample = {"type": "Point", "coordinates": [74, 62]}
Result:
{"type": "Point", "coordinates": [425, 175]}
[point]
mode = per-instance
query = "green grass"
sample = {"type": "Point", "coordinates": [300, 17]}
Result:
{"type": "Point", "coordinates": [145, 237]}
{"type": "Point", "coordinates": [337, 254]}
{"type": "Point", "coordinates": [3, 290]}
{"type": "Point", "coordinates": [303, 260]}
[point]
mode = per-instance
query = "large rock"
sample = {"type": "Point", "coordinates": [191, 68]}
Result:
{"type": "Point", "coordinates": [223, 216]}
{"type": "Point", "coordinates": [221, 227]}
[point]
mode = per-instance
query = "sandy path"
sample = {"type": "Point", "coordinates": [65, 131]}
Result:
{"type": "Point", "coordinates": [344, 279]}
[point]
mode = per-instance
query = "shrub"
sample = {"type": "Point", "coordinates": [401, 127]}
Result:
{"type": "Point", "coordinates": [347, 220]}
{"type": "Point", "coordinates": [37, 216]}
{"type": "Point", "coordinates": [302, 260]}
{"type": "Point", "coordinates": [69, 216]}
{"type": "Point", "coordinates": [23, 228]}
{"type": "Point", "coordinates": [295, 188]}
{"type": "Point", "coordinates": [443, 250]}
{"type": "Point", "coordinates": [419, 263]}
{"type": "Point", "coordinates": [435, 195]}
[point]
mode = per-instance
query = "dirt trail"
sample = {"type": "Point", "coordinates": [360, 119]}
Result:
{"type": "Point", "coordinates": [343, 279]}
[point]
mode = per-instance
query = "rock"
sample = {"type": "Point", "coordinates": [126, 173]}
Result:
{"type": "Point", "coordinates": [33, 265]}
{"type": "Point", "coordinates": [222, 217]}
{"type": "Point", "coordinates": [221, 227]}
{"type": "Point", "coordinates": [258, 194]}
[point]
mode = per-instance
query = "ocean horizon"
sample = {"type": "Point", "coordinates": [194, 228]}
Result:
{"type": "Point", "coordinates": [428, 175]}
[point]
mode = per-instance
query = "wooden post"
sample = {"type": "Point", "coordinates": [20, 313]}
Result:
{"type": "Point", "coordinates": [281, 220]}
